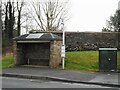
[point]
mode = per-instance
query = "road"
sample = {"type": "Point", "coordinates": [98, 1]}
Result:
{"type": "Point", "coordinates": [8, 82]}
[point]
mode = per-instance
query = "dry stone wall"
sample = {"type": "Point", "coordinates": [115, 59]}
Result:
{"type": "Point", "coordinates": [76, 41]}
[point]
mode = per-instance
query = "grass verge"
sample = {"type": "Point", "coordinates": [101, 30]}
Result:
{"type": "Point", "coordinates": [118, 60]}
{"type": "Point", "coordinates": [7, 61]}
{"type": "Point", "coordinates": [81, 60]}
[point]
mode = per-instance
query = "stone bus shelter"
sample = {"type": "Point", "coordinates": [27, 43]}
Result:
{"type": "Point", "coordinates": [41, 49]}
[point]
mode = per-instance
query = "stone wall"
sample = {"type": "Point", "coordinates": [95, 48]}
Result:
{"type": "Point", "coordinates": [76, 41]}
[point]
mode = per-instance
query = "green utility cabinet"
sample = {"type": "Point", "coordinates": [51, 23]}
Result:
{"type": "Point", "coordinates": [107, 59]}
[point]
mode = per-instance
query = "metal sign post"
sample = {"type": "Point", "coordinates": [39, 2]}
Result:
{"type": "Point", "coordinates": [63, 46]}
{"type": "Point", "coordinates": [63, 51]}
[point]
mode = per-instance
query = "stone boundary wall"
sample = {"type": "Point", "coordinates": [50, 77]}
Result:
{"type": "Point", "coordinates": [77, 41]}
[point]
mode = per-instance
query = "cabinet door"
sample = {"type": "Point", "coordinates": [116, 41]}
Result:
{"type": "Point", "coordinates": [108, 60]}
{"type": "Point", "coordinates": [112, 60]}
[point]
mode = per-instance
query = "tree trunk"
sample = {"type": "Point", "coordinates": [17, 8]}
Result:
{"type": "Point", "coordinates": [0, 25]}
{"type": "Point", "coordinates": [10, 23]}
{"type": "Point", "coordinates": [18, 28]}
{"type": "Point", "coordinates": [6, 22]}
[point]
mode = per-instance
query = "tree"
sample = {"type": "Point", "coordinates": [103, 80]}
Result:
{"type": "Point", "coordinates": [114, 23]}
{"type": "Point", "coordinates": [0, 17]}
{"type": "Point", "coordinates": [0, 25]}
{"type": "Point", "coordinates": [105, 29]}
{"type": "Point", "coordinates": [48, 15]}
{"type": "Point", "coordinates": [19, 9]}
{"type": "Point", "coordinates": [9, 21]}
{"type": "Point", "coordinates": [115, 20]}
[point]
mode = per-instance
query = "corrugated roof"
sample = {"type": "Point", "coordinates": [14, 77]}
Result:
{"type": "Point", "coordinates": [38, 37]}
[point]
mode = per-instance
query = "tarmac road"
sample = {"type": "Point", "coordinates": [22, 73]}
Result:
{"type": "Point", "coordinates": [8, 82]}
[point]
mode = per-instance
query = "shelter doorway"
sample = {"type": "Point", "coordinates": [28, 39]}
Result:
{"type": "Point", "coordinates": [35, 53]}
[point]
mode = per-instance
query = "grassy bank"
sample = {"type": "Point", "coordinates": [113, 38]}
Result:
{"type": "Point", "coordinates": [7, 61]}
{"type": "Point", "coordinates": [118, 58]}
{"type": "Point", "coordinates": [84, 60]}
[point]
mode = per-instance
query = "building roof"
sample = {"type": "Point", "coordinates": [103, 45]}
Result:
{"type": "Point", "coordinates": [38, 37]}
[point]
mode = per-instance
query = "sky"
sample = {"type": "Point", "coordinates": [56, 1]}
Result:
{"type": "Point", "coordinates": [90, 15]}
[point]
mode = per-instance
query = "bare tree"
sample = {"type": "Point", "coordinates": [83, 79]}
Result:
{"type": "Point", "coordinates": [0, 26]}
{"type": "Point", "coordinates": [9, 20]}
{"type": "Point", "coordinates": [48, 14]}
{"type": "Point", "coordinates": [19, 9]}
{"type": "Point", "coordinates": [0, 17]}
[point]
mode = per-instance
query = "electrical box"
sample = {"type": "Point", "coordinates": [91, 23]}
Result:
{"type": "Point", "coordinates": [107, 59]}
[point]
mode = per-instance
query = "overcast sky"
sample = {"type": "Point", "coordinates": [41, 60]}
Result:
{"type": "Point", "coordinates": [90, 15]}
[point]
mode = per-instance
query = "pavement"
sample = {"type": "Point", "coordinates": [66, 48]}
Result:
{"type": "Point", "coordinates": [72, 76]}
